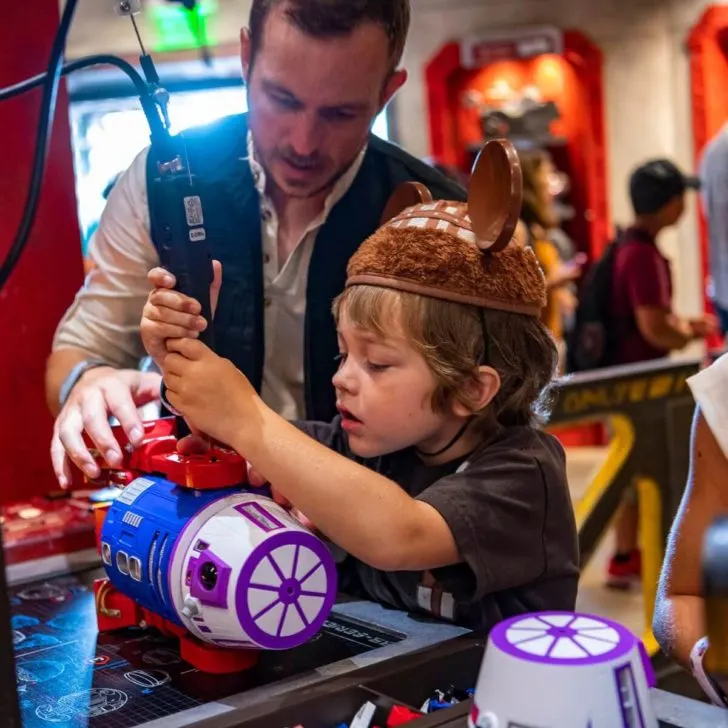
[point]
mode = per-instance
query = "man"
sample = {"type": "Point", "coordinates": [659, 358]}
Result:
{"type": "Point", "coordinates": [294, 187]}
{"type": "Point", "coordinates": [714, 183]}
{"type": "Point", "coordinates": [647, 327]}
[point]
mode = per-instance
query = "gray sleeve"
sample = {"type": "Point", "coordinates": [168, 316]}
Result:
{"type": "Point", "coordinates": [104, 318]}
{"type": "Point", "coordinates": [495, 509]}
{"type": "Point", "coordinates": [327, 433]}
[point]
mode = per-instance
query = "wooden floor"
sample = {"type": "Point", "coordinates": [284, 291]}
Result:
{"type": "Point", "coordinates": [594, 598]}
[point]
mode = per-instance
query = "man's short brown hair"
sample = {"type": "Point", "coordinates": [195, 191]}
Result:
{"type": "Point", "coordinates": [455, 339]}
{"type": "Point", "coordinates": [331, 18]}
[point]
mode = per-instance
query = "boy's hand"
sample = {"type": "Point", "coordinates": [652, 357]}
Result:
{"type": "Point", "coordinates": [169, 314]}
{"type": "Point", "coordinates": [214, 396]}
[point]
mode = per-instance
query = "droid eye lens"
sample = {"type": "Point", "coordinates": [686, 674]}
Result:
{"type": "Point", "coordinates": [208, 575]}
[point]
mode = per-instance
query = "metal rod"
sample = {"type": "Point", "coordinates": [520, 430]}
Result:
{"type": "Point", "coordinates": [139, 38]}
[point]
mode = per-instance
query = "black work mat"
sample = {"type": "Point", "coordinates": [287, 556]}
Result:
{"type": "Point", "coordinates": [70, 675]}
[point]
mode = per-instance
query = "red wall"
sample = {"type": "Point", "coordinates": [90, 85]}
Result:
{"type": "Point", "coordinates": [50, 270]}
{"type": "Point", "coordinates": [708, 51]}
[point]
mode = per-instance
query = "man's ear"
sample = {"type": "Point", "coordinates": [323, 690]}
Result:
{"type": "Point", "coordinates": [479, 392]}
{"type": "Point", "coordinates": [246, 53]}
{"type": "Point", "coordinates": [394, 84]}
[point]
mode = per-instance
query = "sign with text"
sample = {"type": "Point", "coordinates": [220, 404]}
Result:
{"type": "Point", "coordinates": [481, 50]}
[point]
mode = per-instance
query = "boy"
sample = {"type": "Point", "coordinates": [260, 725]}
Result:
{"type": "Point", "coordinates": [434, 478]}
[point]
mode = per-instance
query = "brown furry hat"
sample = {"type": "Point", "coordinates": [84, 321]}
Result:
{"type": "Point", "coordinates": [457, 251]}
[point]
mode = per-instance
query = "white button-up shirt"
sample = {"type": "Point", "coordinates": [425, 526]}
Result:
{"type": "Point", "coordinates": [103, 320]}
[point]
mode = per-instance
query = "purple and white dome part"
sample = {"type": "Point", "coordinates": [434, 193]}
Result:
{"type": "Point", "coordinates": [245, 573]}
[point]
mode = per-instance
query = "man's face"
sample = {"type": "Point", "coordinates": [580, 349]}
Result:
{"type": "Point", "coordinates": [312, 101]}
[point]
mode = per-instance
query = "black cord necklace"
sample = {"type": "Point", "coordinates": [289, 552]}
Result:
{"type": "Point", "coordinates": [458, 435]}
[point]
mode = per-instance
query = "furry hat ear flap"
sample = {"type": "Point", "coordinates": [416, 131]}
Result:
{"type": "Point", "coordinates": [495, 195]}
{"type": "Point", "coordinates": [406, 195]}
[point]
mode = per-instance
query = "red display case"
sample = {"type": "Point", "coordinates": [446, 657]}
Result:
{"type": "Point", "coordinates": [708, 52]}
{"type": "Point", "coordinates": [566, 68]}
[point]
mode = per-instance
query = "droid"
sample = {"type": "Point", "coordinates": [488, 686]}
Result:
{"type": "Point", "coordinates": [187, 548]}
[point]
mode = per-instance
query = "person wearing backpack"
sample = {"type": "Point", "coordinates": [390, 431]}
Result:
{"type": "Point", "coordinates": [643, 324]}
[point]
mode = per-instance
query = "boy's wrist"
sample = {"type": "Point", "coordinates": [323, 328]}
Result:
{"type": "Point", "coordinates": [248, 425]}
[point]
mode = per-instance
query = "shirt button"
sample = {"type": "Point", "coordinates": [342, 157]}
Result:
{"type": "Point", "coordinates": [266, 215]}
{"type": "Point", "coordinates": [266, 258]}
{"type": "Point", "coordinates": [266, 302]}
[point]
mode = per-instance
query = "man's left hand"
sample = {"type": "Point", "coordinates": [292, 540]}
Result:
{"type": "Point", "coordinates": [214, 396]}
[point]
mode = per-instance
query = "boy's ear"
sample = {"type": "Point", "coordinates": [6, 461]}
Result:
{"type": "Point", "coordinates": [479, 392]}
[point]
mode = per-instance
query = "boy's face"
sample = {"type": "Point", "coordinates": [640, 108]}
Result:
{"type": "Point", "coordinates": [384, 393]}
{"type": "Point", "coordinates": [673, 211]}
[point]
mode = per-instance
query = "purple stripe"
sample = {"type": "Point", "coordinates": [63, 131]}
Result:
{"type": "Point", "coordinates": [259, 516]}
{"type": "Point", "coordinates": [301, 614]}
{"type": "Point", "coordinates": [309, 573]}
{"type": "Point", "coordinates": [282, 623]}
{"type": "Point", "coordinates": [276, 568]}
{"type": "Point", "coordinates": [266, 610]}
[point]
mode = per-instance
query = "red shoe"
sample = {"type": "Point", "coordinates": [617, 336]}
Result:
{"type": "Point", "coordinates": [623, 574]}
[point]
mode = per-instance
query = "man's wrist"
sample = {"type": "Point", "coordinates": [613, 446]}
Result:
{"type": "Point", "coordinates": [75, 376]}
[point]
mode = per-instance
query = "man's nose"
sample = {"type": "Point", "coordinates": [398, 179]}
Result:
{"type": "Point", "coordinates": [305, 136]}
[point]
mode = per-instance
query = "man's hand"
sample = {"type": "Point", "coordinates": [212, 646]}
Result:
{"type": "Point", "coordinates": [214, 396]}
{"type": "Point", "coordinates": [169, 314]}
{"type": "Point", "coordinates": [704, 326]}
{"type": "Point", "coordinates": [99, 394]}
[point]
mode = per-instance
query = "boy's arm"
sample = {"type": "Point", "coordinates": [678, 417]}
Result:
{"type": "Point", "coordinates": [363, 512]}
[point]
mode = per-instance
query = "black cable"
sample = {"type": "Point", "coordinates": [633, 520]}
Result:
{"type": "Point", "coordinates": [45, 124]}
{"type": "Point", "coordinates": [158, 129]}
{"type": "Point", "coordinates": [99, 60]}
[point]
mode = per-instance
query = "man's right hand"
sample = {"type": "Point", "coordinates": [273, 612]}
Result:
{"type": "Point", "coordinates": [99, 394]}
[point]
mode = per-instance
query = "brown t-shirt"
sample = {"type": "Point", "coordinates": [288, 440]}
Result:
{"type": "Point", "coordinates": [509, 510]}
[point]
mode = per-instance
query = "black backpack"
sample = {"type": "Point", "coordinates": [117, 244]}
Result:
{"type": "Point", "coordinates": [591, 343]}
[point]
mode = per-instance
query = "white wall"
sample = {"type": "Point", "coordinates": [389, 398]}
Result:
{"type": "Point", "coordinates": [646, 73]}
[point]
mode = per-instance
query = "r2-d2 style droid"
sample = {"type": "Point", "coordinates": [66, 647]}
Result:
{"type": "Point", "coordinates": [563, 670]}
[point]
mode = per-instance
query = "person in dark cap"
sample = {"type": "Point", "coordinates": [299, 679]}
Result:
{"type": "Point", "coordinates": [647, 326]}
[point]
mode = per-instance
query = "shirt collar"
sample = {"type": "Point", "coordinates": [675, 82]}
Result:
{"type": "Point", "coordinates": [636, 233]}
{"type": "Point", "coordinates": [341, 187]}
